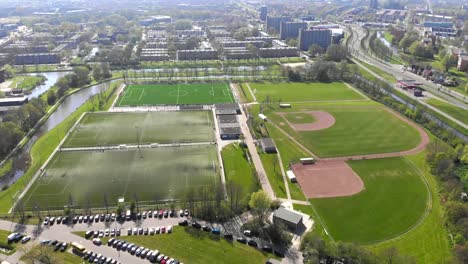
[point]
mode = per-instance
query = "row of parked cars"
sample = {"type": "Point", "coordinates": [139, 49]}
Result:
{"type": "Point", "coordinates": [229, 236]}
{"type": "Point", "coordinates": [92, 257]}
{"type": "Point", "coordinates": [57, 245]}
{"type": "Point", "coordinates": [103, 233]}
{"type": "Point", "coordinates": [17, 237]}
{"type": "Point", "coordinates": [48, 221]}
{"type": "Point", "coordinates": [153, 256]}
{"type": "Point", "coordinates": [149, 231]}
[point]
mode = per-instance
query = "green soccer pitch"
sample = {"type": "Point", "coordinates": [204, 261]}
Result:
{"type": "Point", "coordinates": [84, 178]}
{"type": "Point", "coordinates": [100, 129]}
{"type": "Point", "coordinates": [176, 94]}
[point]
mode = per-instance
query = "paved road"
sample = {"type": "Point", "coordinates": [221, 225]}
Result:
{"type": "Point", "coordinates": [63, 233]}
{"type": "Point", "coordinates": [454, 97]}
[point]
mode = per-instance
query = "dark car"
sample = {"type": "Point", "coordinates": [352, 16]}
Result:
{"type": "Point", "coordinates": [252, 243]}
{"type": "Point", "coordinates": [183, 223]}
{"type": "Point", "coordinates": [242, 240]}
{"type": "Point", "coordinates": [278, 253]}
{"type": "Point", "coordinates": [196, 225]}
{"type": "Point", "coordinates": [63, 246]}
{"type": "Point", "coordinates": [267, 249]}
{"type": "Point", "coordinates": [65, 220]}
{"type": "Point", "coordinates": [206, 228]}
{"type": "Point", "coordinates": [110, 241]}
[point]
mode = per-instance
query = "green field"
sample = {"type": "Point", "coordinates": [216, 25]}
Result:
{"type": "Point", "coordinates": [84, 178]}
{"type": "Point", "coordinates": [238, 169]}
{"type": "Point", "coordinates": [189, 245]}
{"type": "Point", "coordinates": [394, 200]}
{"type": "Point", "coordinates": [300, 92]}
{"type": "Point", "coordinates": [99, 129]}
{"type": "Point", "coordinates": [454, 111]}
{"type": "Point", "coordinates": [176, 94]}
{"type": "Point", "coordinates": [357, 130]}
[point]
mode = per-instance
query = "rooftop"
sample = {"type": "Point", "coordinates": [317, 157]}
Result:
{"type": "Point", "coordinates": [288, 216]}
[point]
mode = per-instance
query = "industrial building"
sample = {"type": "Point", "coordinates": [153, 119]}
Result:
{"type": "Point", "coordinates": [308, 37]}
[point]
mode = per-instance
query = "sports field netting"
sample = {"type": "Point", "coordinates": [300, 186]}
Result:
{"type": "Point", "coordinates": [84, 178]}
{"type": "Point", "coordinates": [100, 129]}
{"type": "Point", "coordinates": [175, 94]}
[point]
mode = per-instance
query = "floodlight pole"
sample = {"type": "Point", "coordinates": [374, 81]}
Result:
{"type": "Point", "coordinates": [138, 140]}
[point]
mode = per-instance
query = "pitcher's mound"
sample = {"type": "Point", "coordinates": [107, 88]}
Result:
{"type": "Point", "coordinates": [323, 120]}
{"type": "Point", "coordinates": [330, 178]}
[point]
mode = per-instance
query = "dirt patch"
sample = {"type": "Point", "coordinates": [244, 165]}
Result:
{"type": "Point", "coordinates": [330, 178]}
{"type": "Point", "coordinates": [323, 120]}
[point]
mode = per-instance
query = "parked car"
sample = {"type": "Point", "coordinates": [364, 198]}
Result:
{"type": "Point", "coordinates": [242, 240]}
{"type": "Point", "coordinates": [186, 212]}
{"type": "Point", "coordinates": [97, 241]}
{"type": "Point", "coordinates": [206, 228]}
{"type": "Point", "coordinates": [267, 248]}
{"type": "Point", "coordinates": [46, 221]}
{"type": "Point", "coordinates": [52, 220]}
{"type": "Point", "coordinates": [89, 234]}
{"type": "Point", "coordinates": [216, 231]}
{"type": "Point", "coordinates": [183, 222]}
{"type": "Point", "coordinates": [110, 241]}
{"type": "Point", "coordinates": [181, 213]}
{"type": "Point", "coordinates": [169, 229]}
{"type": "Point", "coordinates": [25, 239]}
{"type": "Point", "coordinates": [247, 233]}
{"type": "Point", "coordinates": [64, 246]}
{"type": "Point", "coordinates": [252, 243]}
{"type": "Point", "coordinates": [196, 225]}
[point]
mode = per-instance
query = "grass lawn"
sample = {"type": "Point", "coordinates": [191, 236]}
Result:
{"type": "Point", "coordinates": [428, 242]}
{"type": "Point", "coordinates": [26, 82]}
{"type": "Point", "coordinates": [300, 92]}
{"type": "Point", "coordinates": [6, 168]}
{"type": "Point", "coordinates": [299, 118]}
{"type": "Point", "coordinates": [357, 130]}
{"type": "Point", "coordinates": [462, 78]}
{"type": "Point", "coordinates": [244, 93]}
{"type": "Point", "coordinates": [63, 257]}
{"type": "Point", "coordinates": [273, 171]}
{"type": "Point", "coordinates": [175, 94]}
{"type": "Point", "coordinates": [98, 129]}
{"type": "Point", "coordinates": [238, 169]}
{"type": "Point", "coordinates": [189, 245]}
{"type": "Point", "coordinates": [456, 112]}
{"type": "Point", "coordinates": [84, 178]}
{"type": "Point", "coordinates": [393, 201]}
{"type": "Point", "coordinates": [4, 244]}
{"type": "Point", "coordinates": [388, 36]}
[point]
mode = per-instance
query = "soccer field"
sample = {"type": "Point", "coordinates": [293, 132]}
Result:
{"type": "Point", "coordinates": [394, 199]}
{"type": "Point", "coordinates": [86, 178]}
{"type": "Point", "coordinates": [176, 94]}
{"type": "Point", "coordinates": [100, 129]}
{"type": "Point", "coordinates": [301, 92]}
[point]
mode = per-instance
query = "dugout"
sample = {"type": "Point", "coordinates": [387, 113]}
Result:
{"type": "Point", "coordinates": [268, 146]}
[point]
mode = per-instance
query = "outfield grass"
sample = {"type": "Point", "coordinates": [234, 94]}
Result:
{"type": "Point", "coordinates": [299, 92]}
{"type": "Point", "coordinates": [454, 111]}
{"type": "Point", "coordinates": [357, 130]}
{"type": "Point", "coordinates": [189, 245]}
{"type": "Point", "coordinates": [429, 241]}
{"type": "Point", "coordinates": [238, 169]}
{"type": "Point", "coordinates": [83, 178]}
{"type": "Point", "coordinates": [149, 127]}
{"type": "Point", "coordinates": [394, 199]}
{"type": "Point", "coordinates": [175, 94]}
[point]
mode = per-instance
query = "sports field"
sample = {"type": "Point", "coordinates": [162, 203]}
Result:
{"type": "Point", "coordinates": [300, 92]}
{"type": "Point", "coordinates": [394, 199]}
{"type": "Point", "coordinates": [176, 94]}
{"type": "Point", "coordinates": [357, 130]}
{"type": "Point", "coordinates": [99, 129]}
{"type": "Point", "coordinates": [299, 118]}
{"type": "Point", "coordinates": [157, 174]}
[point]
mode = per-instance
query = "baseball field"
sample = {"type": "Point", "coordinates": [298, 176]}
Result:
{"type": "Point", "coordinates": [175, 94]}
{"type": "Point", "coordinates": [87, 178]}
{"type": "Point", "coordinates": [394, 199]}
{"type": "Point", "coordinates": [100, 129]}
{"type": "Point", "coordinates": [357, 129]}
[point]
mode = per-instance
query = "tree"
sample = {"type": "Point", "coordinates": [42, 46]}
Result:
{"type": "Point", "coordinates": [51, 97]}
{"type": "Point", "coordinates": [43, 255]}
{"type": "Point", "coordinates": [183, 24]}
{"type": "Point", "coordinates": [9, 72]}
{"type": "Point", "coordinates": [292, 42]}
{"type": "Point", "coordinates": [82, 74]}
{"type": "Point", "coordinates": [260, 203]}
{"type": "Point", "coordinates": [407, 40]}
{"type": "Point", "coordinates": [336, 52]}
{"type": "Point", "coordinates": [315, 50]}
{"type": "Point", "coordinates": [132, 207]}
{"type": "Point", "coordinates": [422, 50]}
{"type": "Point", "coordinates": [97, 75]}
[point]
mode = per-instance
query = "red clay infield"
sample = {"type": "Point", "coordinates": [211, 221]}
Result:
{"type": "Point", "coordinates": [327, 178]}
{"type": "Point", "coordinates": [323, 120]}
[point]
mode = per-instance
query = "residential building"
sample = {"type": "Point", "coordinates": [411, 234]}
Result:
{"type": "Point", "coordinates": [238, 53]}
{"type": "Point", "coordinates": [391, 15]}
{"type": "Point", "coordinates": [275, 22]}
{"type": "Point", "coordinates": [210, 54]}
{"type": "Point", "coordinates": [154, 55]}
{"type": "Point", "coordinates": [290, 30]}
{"type": "Point", "coordinates": [321, 37]}
{"type": "Point", "coordinates": [263, 13]}
{"type": "Point", "coordinates": [278, 52]}
{"type": "Point", "coordinates": [37, 58]}
{"type": "Point", "coordinates": [462, 64]}
{"type": "Point", "coordinates": [245, 43]}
